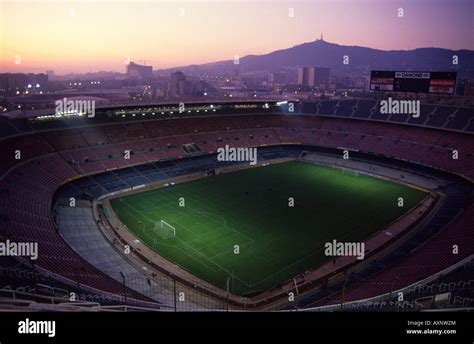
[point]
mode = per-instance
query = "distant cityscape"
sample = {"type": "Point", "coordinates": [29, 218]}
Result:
{"type": "Point", "coordinates": [140, 83]}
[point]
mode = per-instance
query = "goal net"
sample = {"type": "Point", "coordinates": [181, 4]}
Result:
{"type": "Point", "coordinates": [164, 230]}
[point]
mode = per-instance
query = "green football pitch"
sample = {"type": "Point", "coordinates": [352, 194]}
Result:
{"type": "Point", "coordinates": [250, 209]}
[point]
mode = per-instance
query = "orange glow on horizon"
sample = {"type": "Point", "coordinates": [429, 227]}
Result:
{"type": "Point", "coordinates": [87, 36]}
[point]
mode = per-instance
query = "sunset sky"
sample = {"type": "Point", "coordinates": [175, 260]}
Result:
{"type": "Point", "coordinates": [83, 36]}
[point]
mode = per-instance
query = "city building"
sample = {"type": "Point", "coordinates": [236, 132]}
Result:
{"type": "Point", "coordinates": [135, 70]}
{"type": "Point", "coordinates": [179, 86]}
{"type": "Point", "coordinates": [313, 76]}
{"type": "Point", "coordinates": [11, 82]}
{"type": "Point", "coordinates": [278, 78]}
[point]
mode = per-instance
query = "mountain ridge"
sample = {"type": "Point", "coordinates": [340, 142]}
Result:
{"type": "Point", "coordinates": [326, 54]}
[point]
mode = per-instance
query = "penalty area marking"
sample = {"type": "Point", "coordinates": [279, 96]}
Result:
{"type": "Point", "coordinates": [203, 213]}
{"type": "Point", "coordinates": [220, 267]}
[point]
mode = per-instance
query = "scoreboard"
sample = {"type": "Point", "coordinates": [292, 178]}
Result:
{"type": "Point", "coordinates": [416, 82]}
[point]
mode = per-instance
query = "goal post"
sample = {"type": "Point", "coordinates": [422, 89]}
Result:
{"type": "Point", "coordinates": [164, 229]}
{"type": "Point", "coordinates": [165, 224]}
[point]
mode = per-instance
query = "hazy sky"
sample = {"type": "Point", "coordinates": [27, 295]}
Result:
{"type": "Point", "coordinates": [80, 36]}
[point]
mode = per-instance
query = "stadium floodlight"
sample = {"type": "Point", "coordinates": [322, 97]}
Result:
{"type": "Point", "coordinates": [164, 230]}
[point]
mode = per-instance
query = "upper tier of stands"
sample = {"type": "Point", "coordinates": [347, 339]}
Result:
{"type": "Point", "coordinates": [435, 116]}
{"type": "Point", "coordinates": [453, 118]}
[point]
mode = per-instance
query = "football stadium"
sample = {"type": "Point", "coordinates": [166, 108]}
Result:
{"type": "Point", "coordinates": [239, 164]}
{"type": "Point", "coordinates": [339, 208]}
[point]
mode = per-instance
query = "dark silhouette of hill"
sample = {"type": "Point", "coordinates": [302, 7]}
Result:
{"type": "Point", "coordinates": [324, 54]}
